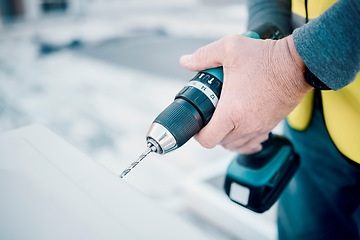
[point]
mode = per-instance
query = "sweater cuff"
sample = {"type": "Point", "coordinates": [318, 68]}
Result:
{"type": "Point", "coordinates": [329, 45]}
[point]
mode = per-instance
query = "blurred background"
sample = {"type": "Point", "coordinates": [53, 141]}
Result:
{"type": "Point", "coordinates": [97, 72]}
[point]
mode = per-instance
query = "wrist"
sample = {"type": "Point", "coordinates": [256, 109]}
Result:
{"type": "Point", "coordinates": [291, 68]}
{"type": "Point", "coordinates": [309, 77]}
{"type": "Point", "coordinates": [313, 81]}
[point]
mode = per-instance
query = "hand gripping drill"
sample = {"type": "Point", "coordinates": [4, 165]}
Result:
{"type": "Point", "coordinates": [254, 181]}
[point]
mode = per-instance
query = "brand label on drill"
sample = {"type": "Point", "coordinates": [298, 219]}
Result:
{"type": "Point", "coordinates": [206, 90]}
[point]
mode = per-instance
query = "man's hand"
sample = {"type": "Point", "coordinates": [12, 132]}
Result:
{"type": "Point", "coordinates": [263, 82]}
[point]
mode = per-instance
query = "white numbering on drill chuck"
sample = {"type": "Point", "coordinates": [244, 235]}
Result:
{"type": "Point", "coordinates": [206, 90]}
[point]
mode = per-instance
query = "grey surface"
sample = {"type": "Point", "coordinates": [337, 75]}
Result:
{"type": "Point", "coordinates": [50, 190]}
{"type": "Point", "coordinates": [105, 108]}
{"type": "Point", "coordinates": [154, 52]}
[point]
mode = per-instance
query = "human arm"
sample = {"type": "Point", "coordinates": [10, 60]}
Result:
{"type": "Point", "coordinates": [264, 80]}
{"type": "Point", "coordinates": [329, 45]}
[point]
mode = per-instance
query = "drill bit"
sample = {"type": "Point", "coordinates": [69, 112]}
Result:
{"type": "Point", "coordinates": [150, 149]}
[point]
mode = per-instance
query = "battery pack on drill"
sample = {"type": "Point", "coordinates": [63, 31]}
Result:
{"type": "Point", "coordinates": [256, 181]}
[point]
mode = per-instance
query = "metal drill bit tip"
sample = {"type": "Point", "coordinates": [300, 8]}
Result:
{"type": "Point", "coordinates": [141, 157]}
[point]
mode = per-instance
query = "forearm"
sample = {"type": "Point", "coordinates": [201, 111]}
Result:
{"type": "Point", "coordinates": [274, 11]}
{"type": "Point", "coordinates": [329, 45]}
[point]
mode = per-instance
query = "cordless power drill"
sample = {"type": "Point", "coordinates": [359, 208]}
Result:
{"type": "Point", "coordinates": [254, 181]}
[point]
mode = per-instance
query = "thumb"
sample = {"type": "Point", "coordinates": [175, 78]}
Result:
{"type": "Point", "coordinates": [209, 56]}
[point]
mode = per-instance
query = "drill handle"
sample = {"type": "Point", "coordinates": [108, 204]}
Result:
{"type": "Point", "coordinates": [270, 148]}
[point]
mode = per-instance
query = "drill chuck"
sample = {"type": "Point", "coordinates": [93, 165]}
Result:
{"type": "Point", "coordinates": [191, 109]}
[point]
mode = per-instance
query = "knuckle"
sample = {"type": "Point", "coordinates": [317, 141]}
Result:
{"type": "Point", "coordinates": [232, 37]}
{"type": "Point", "coordinates": [200, 54]}
{"type": "Point", "coordinates": [207, 144]}
{"type": "Point", "coordinates": [231, 43]}
{"type": "Point", "coordinates": [252, 149]}
{"type": "Point", "coordinates": [204, 141]}
{"type": "Point", "coordinates": [265, 137]}
{"type": "Point", "coordinates": [227, 146]}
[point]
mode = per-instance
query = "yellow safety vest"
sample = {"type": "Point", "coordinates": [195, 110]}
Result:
{"type": "Point", "coordinates": [341, 108]}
